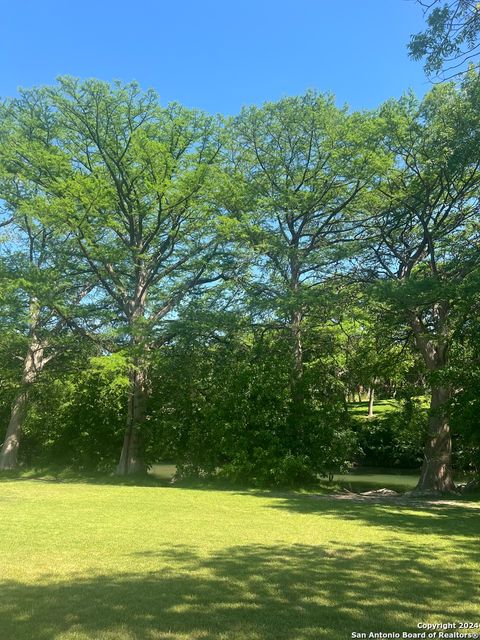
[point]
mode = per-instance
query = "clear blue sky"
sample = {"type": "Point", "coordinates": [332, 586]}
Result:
{"type": "Point", "coordinates": [216, 54]}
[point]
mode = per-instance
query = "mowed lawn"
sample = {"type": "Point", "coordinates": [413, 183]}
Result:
{"type": "Point", "coordinates": [98, 561]}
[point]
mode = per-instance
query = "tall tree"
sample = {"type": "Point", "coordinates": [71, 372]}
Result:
{"type": "Point", "coordinates": [424, 239]}
{"type": "Point", "coordinates": [125, 181]}
{"type": "Point", "coordinates": [38, 269]}
{"type": "Point", "coordinates": [297, 170]}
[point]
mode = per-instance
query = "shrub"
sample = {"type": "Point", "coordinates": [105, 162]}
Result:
{"type": "Point", "coordinates": [394, 439]}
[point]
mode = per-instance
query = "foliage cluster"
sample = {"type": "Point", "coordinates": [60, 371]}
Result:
{"type": "Point", "coordinates": [216, 291]}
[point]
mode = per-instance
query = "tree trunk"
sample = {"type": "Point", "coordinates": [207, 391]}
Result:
{"type": "Point", "coordinates": [132, 456]}
{"type": "Point", "coordinates": [371, 397]}
{"type": "Point", "coordinates": [9, 452]}
{"type": "Point", "coordinates": [33, 364]}
{"type": "Point", "coordinates": [295, 425]}
{"type": "Point", "coordinates": [296, 386]}
{"type": "Point", "coordinates": [436, 473]}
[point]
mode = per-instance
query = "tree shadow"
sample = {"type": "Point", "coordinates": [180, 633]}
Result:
{"type": "Point", "coordinates": [254, 592]}
{"type": "Point", "coordinates": [70, 476]}
{"type": "Point", "coordinates": [441, 517]}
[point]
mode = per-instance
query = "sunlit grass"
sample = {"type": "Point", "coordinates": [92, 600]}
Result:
{"type": "Point", "coordinates": [96, 561]}
{"type": "Point", "coordinates": [380, 407]}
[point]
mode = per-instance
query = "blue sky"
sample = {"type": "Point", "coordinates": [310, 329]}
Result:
{"type": "Point", "coordinates": [217, 54]}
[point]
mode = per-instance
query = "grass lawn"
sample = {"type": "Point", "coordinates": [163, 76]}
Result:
{"type": "Point", "coordinates": [118, 562]}
{"type": "Point", "coordinates": [380, 407]}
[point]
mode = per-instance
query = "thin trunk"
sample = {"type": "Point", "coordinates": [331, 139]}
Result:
{"type": "Point", "coordinates": [297, 373]}
{"type": "Point", "coordinates": [371, 397]}
{"type": "Point", "coordinates": [296, 418]}
{"type": "Point", "coordinates": [33, 364]}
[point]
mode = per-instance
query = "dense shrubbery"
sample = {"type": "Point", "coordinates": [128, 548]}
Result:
{"type": "Point", "coordinates": [243, 429]}
{"type": "Point", "coordinates": [78, 420]}
{"type": "Point", "coordinates": [394, 438]}
{"type": "Point", "coordinates": [240, 430]}
{"type": "Point", "coordinates": [465, 417]}
{"type": "Point", "coordinates": [221, 407]}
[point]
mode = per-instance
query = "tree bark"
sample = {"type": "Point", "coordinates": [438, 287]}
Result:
{"type": "Point", "coordinates": [33, 364]}
{"type": "Point", "coordinates": [436, 473]}
{"type": "Point", "coordinates": [295, 427]}
{"type": "Point", "coordinates": [132, 458]}
{"type": "Point", "coordinates": [9, 452]}
{"type": "Point", "coordinates": [371, 397]}
{"type": "Point", "coordinates": [297, 392]}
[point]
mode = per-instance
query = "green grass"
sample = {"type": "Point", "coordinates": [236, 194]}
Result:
{"type": "Point", "coordinates": [93, 561]}
{"type": "Point", "coordinates": [360, 409]}
{"type": "Point", "coordinates": [381, 407]}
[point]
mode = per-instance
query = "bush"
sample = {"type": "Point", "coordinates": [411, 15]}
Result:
{"type": "Point", "coordinates": [245, 429]}
{"type": "Point", "coordinates": [465, 412]}
{"type": "Point", "coordinates": [394, 439]}
{"type": "Point", "coordinates": [78, 421]}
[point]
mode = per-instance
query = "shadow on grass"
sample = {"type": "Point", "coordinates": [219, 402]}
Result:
{"type": "Point", "coordinates": [72, 476]}
{"type": "Point", "coordinates": [298, 592]}
{"type": "Point", "coordinates": [356, 481]}
{"type": "Point", "coordinates": [137, 480]}
{"type": "Point", "coordinates": [360, 409]}
{"type": "Point", "coordinates": [441, 518]}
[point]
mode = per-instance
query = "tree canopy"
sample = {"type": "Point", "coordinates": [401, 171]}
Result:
{"type": "Point", "coordinates": [220, 292]}
{"type": "Point", "coordinates": [451, 40]}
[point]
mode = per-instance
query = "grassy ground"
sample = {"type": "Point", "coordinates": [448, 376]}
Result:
{"type": "Point", "coordinates": [380, 407]}
{"type": "Point", "coordinates": [93, 561]}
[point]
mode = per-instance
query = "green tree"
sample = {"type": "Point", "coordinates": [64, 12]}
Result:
{"type": "Point", "coordinates": [451, 38]}
{"type": "Point", "coordinates": [224, 405]}
{"type": "Point", "coordinates": [376, 355]}
{"type": "Point", "coordinates": [124, 180]}
{"type": "Point", "coordinates": [464, 377]}
{"type": "Point", "coordinates": [423, 240]}
{"type": "Point", "coordinates": [39, 275]}
{"type": "Point", "coordinates": [296, 171]}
